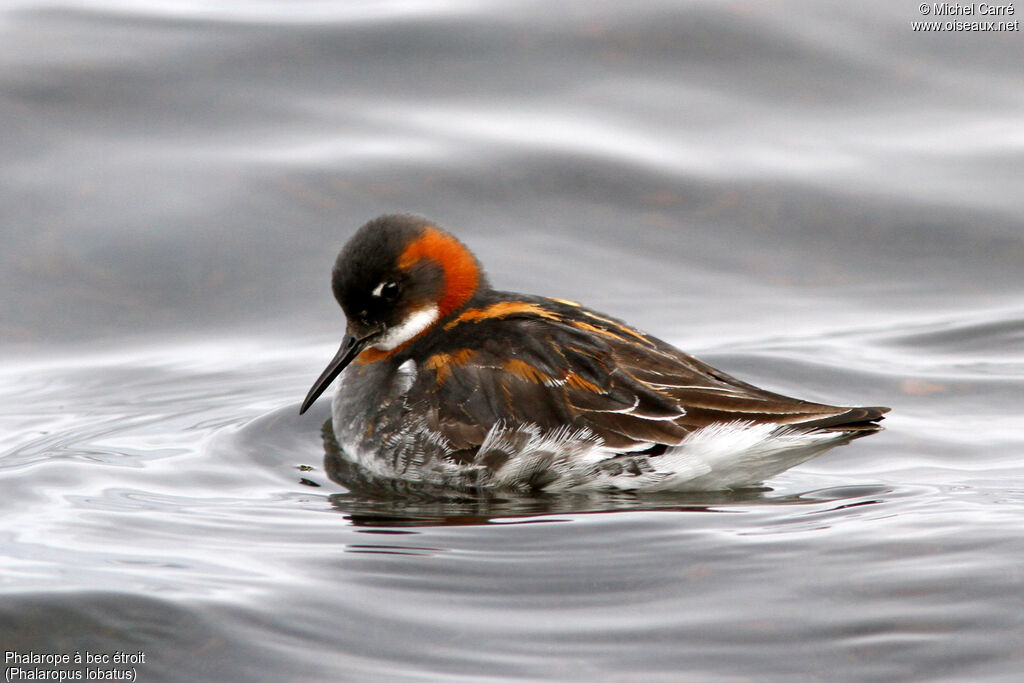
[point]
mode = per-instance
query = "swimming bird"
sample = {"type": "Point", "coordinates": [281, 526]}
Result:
{"type": "Point", "coordinates": [447, 382]}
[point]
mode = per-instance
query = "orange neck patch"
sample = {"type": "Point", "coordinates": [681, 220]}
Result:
{"type": "Point", "coordinates": [461, 274]}
{"type": "Point", "coordinates": [372, 355]}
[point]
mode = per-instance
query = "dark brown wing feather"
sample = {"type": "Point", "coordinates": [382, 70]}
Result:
{"type": "Point", "coordinates": [570, 366]}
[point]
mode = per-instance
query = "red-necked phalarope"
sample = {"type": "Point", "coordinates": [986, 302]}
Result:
{"type": "Point", "coordinates": [451, 383]}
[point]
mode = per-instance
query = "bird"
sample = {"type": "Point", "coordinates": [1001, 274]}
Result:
{"type": "Point", "coordinates": [447, 383]}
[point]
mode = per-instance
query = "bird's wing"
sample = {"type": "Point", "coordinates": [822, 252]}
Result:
{"type": "Point", "coordinates": [551, 364]}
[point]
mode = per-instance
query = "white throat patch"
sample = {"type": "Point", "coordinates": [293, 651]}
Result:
{"type": "Point", "coordinates": [416, 322]}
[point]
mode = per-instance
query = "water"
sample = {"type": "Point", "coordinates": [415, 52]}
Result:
{"type": "Point", "coordinates": [808, 195]}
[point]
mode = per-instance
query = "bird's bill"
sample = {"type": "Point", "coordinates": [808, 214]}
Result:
{"type": "Point", "coordinates": [351, 347]}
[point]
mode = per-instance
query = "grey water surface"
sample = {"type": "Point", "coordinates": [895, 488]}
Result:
{"type": "Point", "coordinates": [810, 195]}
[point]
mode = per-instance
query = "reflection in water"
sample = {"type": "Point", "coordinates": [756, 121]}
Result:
{"type": "Point", "coordinates": [399, 516]}
{"type": "Point", "coordinates": [398, 510]}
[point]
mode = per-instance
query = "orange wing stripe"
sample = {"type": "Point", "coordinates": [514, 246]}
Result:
{"type": "Point", "coordinates": [502, 309]}
{"type": "Point", "coordinates": [525, 371]}
{"type": "Point", "coordinates": [617, 326]}
{"type": "Point", "coordinates": [443, 362]}
{"type": "Point", "coordinates": [579, 324]}
{"type": "Point", "coordinates": [574, 380]}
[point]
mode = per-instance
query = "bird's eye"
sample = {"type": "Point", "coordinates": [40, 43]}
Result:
{"type": "Point", "coordinates": [389, 291]}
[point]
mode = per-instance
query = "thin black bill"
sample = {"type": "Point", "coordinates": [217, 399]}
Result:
{"type": "Point", "coordinates": [350, 348]}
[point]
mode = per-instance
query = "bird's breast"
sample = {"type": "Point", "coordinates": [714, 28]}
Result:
{"type": "Point", "coordinates": [371, 405]}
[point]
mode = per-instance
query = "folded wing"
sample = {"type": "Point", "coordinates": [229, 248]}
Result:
{"type": "Point", "coordinates": [554, 365]}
